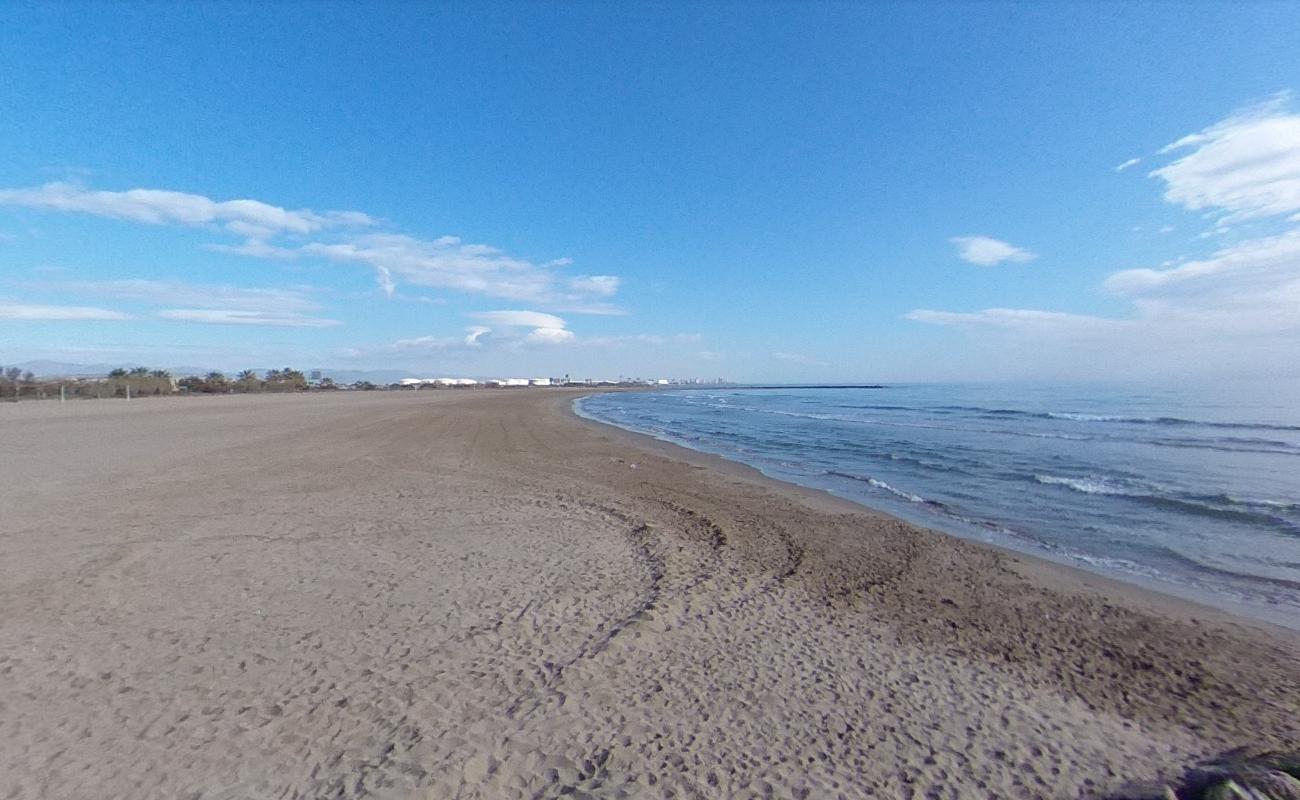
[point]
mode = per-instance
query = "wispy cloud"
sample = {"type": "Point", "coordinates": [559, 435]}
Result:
{"type": "Point", "coordinates": [181, 293]}
{"type": "Point", "coordinates": [653, 339]}
{"type": "Point", "coordinates": [212, 304]}
{"type": "Point", "coordinates": [233, 316]}
{"type": "Point", "coordinates": [38, 312]}
{"type": "Point", "coordinates": [595, 285]}
{"type": "Point", "coordinates": [250, 218]}
{"type": "Point", "coordinates": [798, 358]}
{"type": "Point", "coordinates": [987, 251]}
{"type": "Point", "coordinates": [449, 263]}
{"type": "Point", "coordinates": [1011, 318]}
{"type": "Point", "coordinates": [1132, 162]}
{"type": "Point", "coordinates": [272, 232]}
{"type": "Point", "coordinates": [1246, 166]}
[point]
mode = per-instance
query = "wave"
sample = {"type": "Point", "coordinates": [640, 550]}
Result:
{"type": "Point", "coordinates": [1229, 444]}
{"type": "Point", "coordinates": [1222, 444]}
{"type": "Point", "coordinates": [1073, 416]}
{"type": "Point", "coordinates": [1221, 506]}
{"type": "Point", "coordinates": [1073, 437]}
{"type": "Point", "coordinates": [879, 484]}
{"type": "Point", "coordinates": [1085, 485]}
{"type": "Point", "coordinates": [1078, 416]}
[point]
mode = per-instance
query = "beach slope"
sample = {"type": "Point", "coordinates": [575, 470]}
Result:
{"type": "Point", "coordinates": [476, 594]}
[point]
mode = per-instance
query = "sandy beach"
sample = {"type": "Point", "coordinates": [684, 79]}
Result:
{"type": "Point", "coordinates": [466, 594]}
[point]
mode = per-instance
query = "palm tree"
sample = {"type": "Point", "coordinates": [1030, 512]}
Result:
{"type": "Point", "coordinates": [161, 374]}
{"type": "Point", "coordinates": [215, 382]}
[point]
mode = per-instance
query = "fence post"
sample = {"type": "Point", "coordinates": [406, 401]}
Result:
{"type": "Point", "coordinates": [63, 393]}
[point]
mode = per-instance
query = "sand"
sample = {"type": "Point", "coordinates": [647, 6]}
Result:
{"type": "Point", "coordinates": [468, 594]}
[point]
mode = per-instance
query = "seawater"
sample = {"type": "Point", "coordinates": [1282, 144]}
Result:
{"type": "Point", "coordinates": [1194, 496]}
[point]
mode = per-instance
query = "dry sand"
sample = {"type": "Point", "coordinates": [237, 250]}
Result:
{"type": "Point", "coordinates": [475, 594]}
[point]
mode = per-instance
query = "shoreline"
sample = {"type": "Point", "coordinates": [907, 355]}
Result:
{"type": "Point", "coordinates": [1165, 597]}
{"type": "Point", "coordinates": [485, 595]}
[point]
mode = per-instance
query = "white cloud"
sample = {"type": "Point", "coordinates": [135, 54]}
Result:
{"type": "Point", "coordinates": [510, 330]}
{"type": "Point", "coordinates": [1244, 167]}
{"type": "Point", "coordinates": [36, 312]}
{"type": "Point", "coordinates": [522, 319]}
{"type": "Point", "coordinates": [232, 316]}
{"type": "Point", "coordinates": [546, 328]}
{"type": "Point", "coordinates": [654, 339]}
{"type": "Point", "coordinates": [250, 218]}
{"type": "Point", "coordinates": [550, 336]}
{"type": "Point", "coordinates": [1132, 162]}
{"type": "Point", "coordinates": [798, 358]}
{"type": "Point", "coordinates": [597, 285]}
{"type": "Point", "coordinates": [1015, 318]}
{"type": "Point", "coordinates": [385, 277]}
{"type": "Point", "coordinates": [179, 293]}
{"type": "Point", "coordinates": [986, 251]}
{"type": "Point", "coordinates": [474, 333]}
{"type": "Point", "coordinates": [1249, 288]}
{"type": "Point", "coordinates": [449, 263]}
{"type": "Point", "coordinates": [1236, 311]}
{"type": "Point", "coordinates": [444, 262]}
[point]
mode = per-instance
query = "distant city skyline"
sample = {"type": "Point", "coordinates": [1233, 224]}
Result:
{"type": "Point", "coordinates": [784, 193]}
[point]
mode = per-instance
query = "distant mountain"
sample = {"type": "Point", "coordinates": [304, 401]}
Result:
{"type": "Point", "coordinates": [59, 369]}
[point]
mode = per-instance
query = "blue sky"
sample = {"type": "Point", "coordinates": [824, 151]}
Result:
{"type": "Point", "coordinates": [755, 191]}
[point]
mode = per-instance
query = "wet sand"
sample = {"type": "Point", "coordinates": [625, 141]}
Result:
{"type": "Point", "coordinates": [475, 594]}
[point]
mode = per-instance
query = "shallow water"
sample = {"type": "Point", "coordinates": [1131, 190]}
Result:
{"type": "Point", "coordinates": [1191, 495]}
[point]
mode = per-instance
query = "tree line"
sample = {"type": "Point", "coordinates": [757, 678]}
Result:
{"type": "Point", "coordinates": [16, 383]}
{"type": "Point", "coordinates": [247, 382]}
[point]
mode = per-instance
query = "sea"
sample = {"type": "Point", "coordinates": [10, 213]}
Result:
{"type": "Point", "coordinates": [1189, 493]}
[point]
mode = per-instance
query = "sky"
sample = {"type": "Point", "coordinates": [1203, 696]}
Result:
{"type": "Point", "coordinates": [753, 191]}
